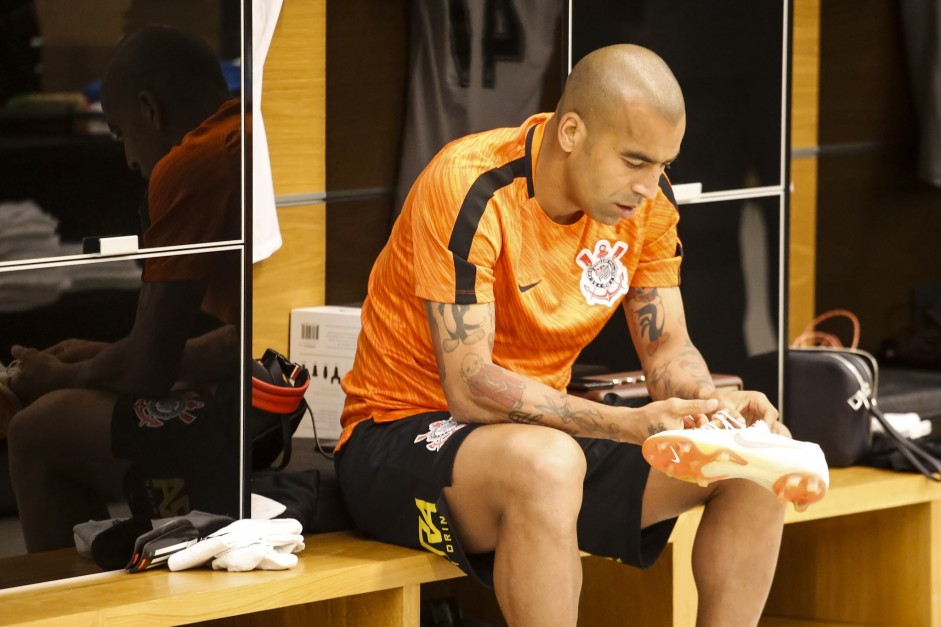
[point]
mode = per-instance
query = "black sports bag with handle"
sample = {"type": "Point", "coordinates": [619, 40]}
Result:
{"type": "Point", "coordinates": [830, 399]}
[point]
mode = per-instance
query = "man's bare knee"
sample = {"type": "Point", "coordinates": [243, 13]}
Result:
{"type": "Point", "coordinates": [26, 434]}
{"type": "Point", "coordinates": [514, 472]}
{"type": "Point", "coordinates": [546, 464]}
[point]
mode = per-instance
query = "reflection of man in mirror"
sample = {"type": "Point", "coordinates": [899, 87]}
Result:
{"type": "Point", "coordinates": [155, 411]}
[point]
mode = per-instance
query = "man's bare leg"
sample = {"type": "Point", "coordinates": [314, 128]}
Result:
{"type": "Point", "coordinates": [737, 544]}
{"type": "Point", "coordinates": [61, 465]}
{"type": "Point", "coordinates": [517, 490]}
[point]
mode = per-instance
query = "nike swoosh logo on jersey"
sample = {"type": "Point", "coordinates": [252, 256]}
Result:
{"type": "Point", "coordinates": [526, 288]}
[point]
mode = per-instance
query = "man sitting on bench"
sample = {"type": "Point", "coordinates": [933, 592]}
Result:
{"type": "Point", "coordinates": [513, 249]}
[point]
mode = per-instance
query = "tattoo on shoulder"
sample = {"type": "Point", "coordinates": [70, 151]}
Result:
{"type": "Point", "coordinates": [459, 330]}
{"type": "Point", "coordinates": [436, 340]}
{"type": "Point", "coordinates": [648, 312]}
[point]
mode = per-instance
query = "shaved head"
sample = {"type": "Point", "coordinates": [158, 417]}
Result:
{"type": "Point", "coordinates": [605, 80]}
{"type": "Point", "coordinates": [172, 65]}
{"type": "Point", "coordinates": [618, 126]}
{"type": "Point", "coordinates": [160, 84]}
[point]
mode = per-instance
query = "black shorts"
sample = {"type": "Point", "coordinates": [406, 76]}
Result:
{"type": "Point", "coordinates": [184, 453]}
{"type": "Point", "coordinates": [392, 477]}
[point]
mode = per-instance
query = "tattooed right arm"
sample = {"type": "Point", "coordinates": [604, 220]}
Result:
{"type": "Point", "coordinates": [478, 390]}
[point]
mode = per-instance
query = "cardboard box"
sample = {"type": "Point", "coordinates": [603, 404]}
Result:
{"type": "Point", "coordinates": [323, 339]}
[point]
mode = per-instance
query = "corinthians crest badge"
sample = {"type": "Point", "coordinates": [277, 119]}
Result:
{"type": "Point", "coordinates": [604, 278]}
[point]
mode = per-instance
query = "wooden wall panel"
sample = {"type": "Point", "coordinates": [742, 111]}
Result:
{"type": "Point", "coordinates": [294, 98]}
{"type": "Point", "coordinates": [292, 277]}
{"type": "Point", "coordinates": [366, 117]}
{"type": "Point", "coordinates": [357, 230]}
{"type": "Point", "coordinates": [864, 87]}
{"type": "Point", "coordinates": [805, 93]}
{"type": "Point", "coordinates": [876, 224]}
{"type": "Point", "coordinates": [294, 108]}
{"type": "Point", "coordinates": [805, 68]}
{"type": "Point", "coordinates": [803, 249]}
{"type": "Point", "coordinates": [367, 45]}
{"type": "Point", "coordinates": [877, 233]}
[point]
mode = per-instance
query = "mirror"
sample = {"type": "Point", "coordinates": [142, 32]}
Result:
{"type": "Point", "coordinates": [59, 153]}
{"type": "Point", "coordinates": [65, 185]}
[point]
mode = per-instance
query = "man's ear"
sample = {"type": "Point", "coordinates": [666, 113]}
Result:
{"type": "Point", "coordinates": [571, 131]}
{"type": "Point", "coordinates": [151, 109]}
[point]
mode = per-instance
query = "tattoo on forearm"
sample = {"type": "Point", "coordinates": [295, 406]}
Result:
{"type": "Point", "coordinates": [458, 329]}
{"type": "Point", "coordinates": [520, 417]}
{"type": "Point", "coordinates": [524, 418]}
{"type": "Point", "coordinates": [493, 382]}
{"type": "Point", "coordinates": [586, 421]}
{"type": "Point", "coordinates": [684, 377]}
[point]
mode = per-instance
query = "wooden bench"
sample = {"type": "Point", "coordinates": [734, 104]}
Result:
{"type": "Point", "coordinates": [868, 554]}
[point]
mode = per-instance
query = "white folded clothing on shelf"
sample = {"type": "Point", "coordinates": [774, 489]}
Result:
{"type": "Point", "coordinates": [24, 226]}
{"type": "Point", "coordinates": [908, 424]}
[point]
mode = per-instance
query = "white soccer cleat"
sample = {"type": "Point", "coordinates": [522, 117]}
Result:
{"type": "Point", "coordinates": [795, 471]}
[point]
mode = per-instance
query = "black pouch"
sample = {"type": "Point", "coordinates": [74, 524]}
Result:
{"type": "Point", "coordinates": [826, 393]}
{"type": "Point", "coordinates": [155, 547]}
{"type": "Point", "coordinates": [830, 399]}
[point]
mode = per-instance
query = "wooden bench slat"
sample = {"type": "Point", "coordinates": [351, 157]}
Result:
{"type": "Point", "coordinates": [863, 489]}
{"type": "Point", "coordinates": [338, 566]}
{"type": "Point", "coordinates": [331, 566]}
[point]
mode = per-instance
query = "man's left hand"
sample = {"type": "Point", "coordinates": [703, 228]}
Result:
{"type": "Point", "coordinates": [751, 406]}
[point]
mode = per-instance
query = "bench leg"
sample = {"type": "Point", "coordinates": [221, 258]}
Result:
{"type": "Point", "coordinates": [664, 596]}
{"type": "Point", "coordinates": [933, 551]}
{"type": "Point", "coordinates": [685, 596]}
{"type": "Point", "coordinates": [878, 567]}
{"type": "Point", "coordinates": [397, 607]}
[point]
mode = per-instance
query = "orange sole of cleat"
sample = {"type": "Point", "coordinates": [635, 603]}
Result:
{"type": "Point", "coordinates": [802, 490]}
{"type": "Point", "coordinates": [682, 459]}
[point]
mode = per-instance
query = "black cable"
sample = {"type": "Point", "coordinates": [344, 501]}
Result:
{"type": "Point", "coordinates": [316, 437]}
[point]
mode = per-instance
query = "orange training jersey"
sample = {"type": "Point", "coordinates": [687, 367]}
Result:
{"type": "Point", "coordinates": [194, 197]}
{"type": "Point", "coordinates": [470, 232]}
